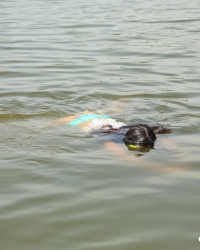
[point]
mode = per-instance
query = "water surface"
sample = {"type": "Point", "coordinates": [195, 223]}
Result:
{"type": "Point", "coordinates": [62, 188]}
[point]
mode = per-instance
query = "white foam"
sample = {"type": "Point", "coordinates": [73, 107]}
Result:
{"type": "Point", "coordinates": [97, 124]}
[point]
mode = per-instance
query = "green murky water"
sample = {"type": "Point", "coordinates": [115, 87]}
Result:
{"type": "Point", "coordinates": [62, 188]}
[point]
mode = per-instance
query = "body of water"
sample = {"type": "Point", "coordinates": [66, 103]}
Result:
{"type": "Point", "coordinates": [62, 188]}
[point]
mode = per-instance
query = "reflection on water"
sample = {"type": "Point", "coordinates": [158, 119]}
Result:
{"type": "Point", "coordinates": [61, 188]}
